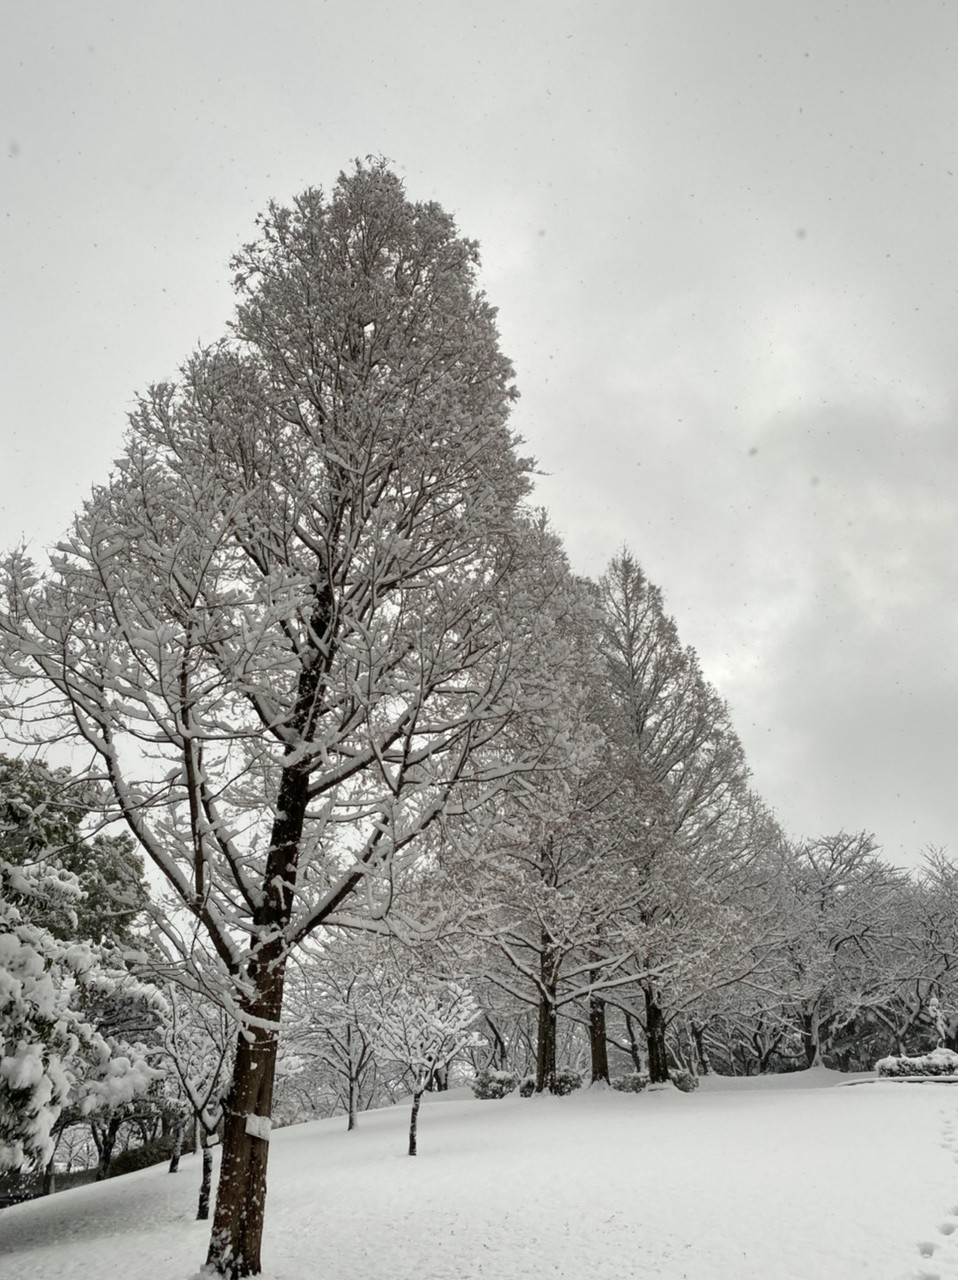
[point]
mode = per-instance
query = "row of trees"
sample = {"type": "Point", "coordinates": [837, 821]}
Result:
{"type": "Point", "coordinates": [816, 954]}
{"type": "Point", "coordinates": [332, 676]}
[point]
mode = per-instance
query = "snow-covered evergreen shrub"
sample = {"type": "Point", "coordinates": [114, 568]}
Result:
{"type": "Point", "coordinates": [633, 1082]}
{"type": "Point", "coordinates": [136, 1158]}
{"type": "Point", "coordinates": [940, 1062]}
{"type": "Point", "coordinates": [567, 1081]}
{"type": "Point", "coordinates": [494, 1084]}
{"type": "Point", "coordinates": [684, 1080]}
{"type": "Point", "coordinates": [55, 997]}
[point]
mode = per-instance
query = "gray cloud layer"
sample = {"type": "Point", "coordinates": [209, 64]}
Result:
{"type": "Point", "coordinates": [721, 237]}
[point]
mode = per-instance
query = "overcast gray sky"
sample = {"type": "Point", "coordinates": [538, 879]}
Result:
{"type": "Point", "coordinates": [722, 237]}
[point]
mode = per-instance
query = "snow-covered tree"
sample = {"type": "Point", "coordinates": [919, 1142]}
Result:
{"type": "Point", "coordinates": [196, 1040]}
{"type": "Point", "coordinates": [327, 1032]}
{"type": "Point", "coordinates": [422, 1023]}
{"type": "Point", "coordinates": [292, 625]}
{"type": "Point", "coordinates": [557, 928]}
{"type": "Point", "coordinates": [699, 822]}
{"type": "Point", "coordinates": [928, 949]}
{"type": "Point", "coordinates": [43, 816]}
{"type": "Point", "coordinates": [66, 900]}
{"type": "Point", "coordinates": [56, 1052]}
{"type": "Point", "coordinates": [843, 916]}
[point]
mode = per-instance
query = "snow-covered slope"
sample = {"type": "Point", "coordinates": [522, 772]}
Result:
{"type": "Point", "coordinates": [788, 1182]}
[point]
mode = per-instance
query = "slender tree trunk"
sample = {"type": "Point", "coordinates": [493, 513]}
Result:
{"type": "Point", "coordinates": [206, 1184]}
{"type": "Point", "coordinates": [598, 1045]}
{"type": "Point", "coordinates": [353, 1101]}
{"type": "Point", "coordinates": [49, 1172]}
{"type": "Point", "coordinates": [634, 1052]}
{"type": "Point", "coordinates": [353, 1086]}
{"type": "Point", "coordinates": [105, 1145]}
{"type": "Point", "coordinates": [546, 1046]}
{"type": "Point", "coordinates": [438, 1080]}
{"type": "Point", "coordinates": [177, 1145]}
{"type": "Point", "coordinates": [701, 1053]}
{"type": "Point", "coordinates": [547, 1030]}
{"type": "Point", "coordinates": [811, 1038]}
{"type": "Point", "coordinates": [414, 1119]}
{"type": "Point", "coordinates": [499, 1056]}
{"type": "Point", "coordinates": [655, 1039]}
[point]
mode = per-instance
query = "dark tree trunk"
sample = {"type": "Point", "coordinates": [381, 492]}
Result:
{"type": "Point", "coordinates": [438, 1080]}
{"type": "Point", "coordinates": [499, 1056]}
{"type": "Point", "coordinates": [353, 1104]}
{"type": "Point", "coordinates": [414, 1121]}
{"type": "Point", "coordinates": [548, 1018]}
{"type": "Point", "coordinates": [546, 1046]}
{"type": "Point", "coordinates": [105, 1141]}
{"type": "Point", "coordinates": [237, 1235]}
{"type": "Point", "coordinates": [811, 1039]}
{"type": "Point", "coordinates": [547, 1032]}
{"type": "Point", "coordinates": [206, 1185]}
{"type": "Point", "coordinates": [655, 1039]}
{"type": "Point", "coordinates": [698, 1039]}
{"type": "Point", "coordinates": [598, 1046]}
{"type": "Point", "coordinates": [177, 1145]}
{"type": "Point", "coordinates": [49, 1173]}
{"type": "Point", "coordinates": [634, 1051]}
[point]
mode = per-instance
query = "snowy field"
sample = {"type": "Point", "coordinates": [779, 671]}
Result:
{"type": "Point", "coordinates": [791, 1178]}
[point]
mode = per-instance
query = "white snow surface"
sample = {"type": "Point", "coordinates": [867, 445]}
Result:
{"type": "Point", "coordinates": [790, 1178]}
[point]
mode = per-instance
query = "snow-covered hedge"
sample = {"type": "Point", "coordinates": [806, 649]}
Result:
{"type": "Point", "coordinates": [684, 1080]}
{"type": "Point", "coordinates": [567, 1081]}
{"type": "Point", "coordinates": [940, 1062]}
{"type": "Point", "coordinates": [635, 1082]}
{"type": "Point", "coordinates": [494, 1084]}
{"type": "Point", "coordinates": [631, 1083]}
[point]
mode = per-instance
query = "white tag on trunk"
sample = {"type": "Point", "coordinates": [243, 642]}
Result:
{"type": "Point", "coordinates": [259, 1127]}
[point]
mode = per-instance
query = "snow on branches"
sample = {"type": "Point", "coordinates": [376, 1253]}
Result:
{"type": "Point", "coordinates": [55, 1052]}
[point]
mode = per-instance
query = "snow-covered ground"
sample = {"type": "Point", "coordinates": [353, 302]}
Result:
{"type": "Point", "coordinates": [793, 1178]}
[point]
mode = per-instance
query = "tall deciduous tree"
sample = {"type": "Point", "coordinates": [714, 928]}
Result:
{"type": "Point", "coordinates": [843, 914]}
{"type": "Point", "coordinates": [677, 743]}
{"type": "Point", "coordinates": [288, 624]}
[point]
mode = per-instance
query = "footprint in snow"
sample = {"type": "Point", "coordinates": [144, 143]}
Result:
{"type": "Point", "coordinates": [947, 1228]}
{"type": "Point", "coordinates": [926, 1248]}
